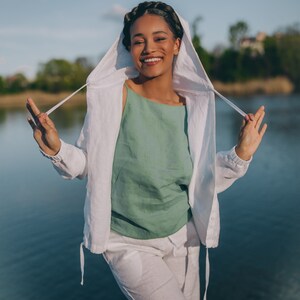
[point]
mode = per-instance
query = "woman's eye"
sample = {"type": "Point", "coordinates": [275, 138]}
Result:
{"type": "Point", "coordinates": [138, 42]}
{"type": "Point", "coordinates": [159, 39]}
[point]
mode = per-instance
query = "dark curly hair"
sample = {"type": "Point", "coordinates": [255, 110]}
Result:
{"type": "Point", "coordinates": [154, 8]}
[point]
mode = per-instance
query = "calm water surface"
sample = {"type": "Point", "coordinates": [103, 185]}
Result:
{"type": "Point", "coordinates": [41, 218]}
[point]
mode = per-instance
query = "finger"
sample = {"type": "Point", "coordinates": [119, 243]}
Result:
{"type": "Point", "coordinates": [33, 109]}
{"type": "Point", "coordinates": [44, 121]}
{"type": "Point", "coordinates": [31, 123]}
{"type": "Point", "coordinates": [49, 121]}
{"type": "Point", "coordinates": [33, 106]}
{"type": "Point", "coordinates": [251, 117]}
{"type": "Point", "coordinates": [259, 112]}
{"type": "Point", "coordinates": [31, 112]}
{"type": "Point", "coordinates": [243, 123]}
{"type": "Point", "coordinates": [263, 130]}
{"type": "Point", "coordinates": [260, 119]}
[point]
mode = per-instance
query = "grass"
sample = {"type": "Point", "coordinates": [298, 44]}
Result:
{"type": "Point", "coordinates": [42, 99]}
{"type": "Point", "coordinates": [277, 85]}
{"type": "Point", "coordinates": [271, 86]}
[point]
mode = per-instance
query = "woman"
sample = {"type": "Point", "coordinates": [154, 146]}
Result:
{"type": "Point", "coordinates": [148, 148]}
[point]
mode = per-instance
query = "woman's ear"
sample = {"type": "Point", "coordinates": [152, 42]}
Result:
{"type": "Point", "coordinates": [177, 46]}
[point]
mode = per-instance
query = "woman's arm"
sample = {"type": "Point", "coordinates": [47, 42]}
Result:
{"type": "Point", "coordinates": [70, 161]}
{"type": "Point", "coordinates": [229, 168]}
{"type": "Point", "coordinates": [233, 164]}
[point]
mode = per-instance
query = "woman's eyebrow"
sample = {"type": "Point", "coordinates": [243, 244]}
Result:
{"type": "Point", "coordinates": [155, 32]}
{"type": "Point", "coordinates": [137, 35]}
{"type": "Point", "coordinates": [160, 31]}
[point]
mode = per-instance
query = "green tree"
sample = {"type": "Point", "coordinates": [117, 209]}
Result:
{"type": "Point", "coordinates": [271, 60]}
{"type": "Point", "coordinates": [204, 55]}
{"type": "Point", "coordinates": [16, 83]}
{"type": "Point", "coordinates": [237, 31]}
{"type": "Point", "coordinates": [54, 76]}
{"type": "Point", "coordinates": [59, 74]}
{"type": "Point", "coordinates": [288, 48]}
{"type": "Point", "coordinates": [249, 65]}
{"type": "Point", "coordinates": [2, 85]}
{"type": "Point", "coordinates": [226, 66]}
{"type": "Point", "coordinates": [82, 68]}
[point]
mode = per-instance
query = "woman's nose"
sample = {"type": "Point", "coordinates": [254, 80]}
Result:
{"type": "Point", "coordinates": [149, 47]}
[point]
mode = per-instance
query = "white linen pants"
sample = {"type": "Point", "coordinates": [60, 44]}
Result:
{"type": "Point", "coordinates": [156, 269]}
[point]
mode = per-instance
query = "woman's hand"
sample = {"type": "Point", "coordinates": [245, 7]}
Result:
{"type": "Point", "coordinates": [251, 134]}
{"type": "Point", "coordinates": [44, 130]}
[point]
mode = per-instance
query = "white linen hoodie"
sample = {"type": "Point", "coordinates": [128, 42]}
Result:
{"type": "Point", "coordinates": [94, 151]}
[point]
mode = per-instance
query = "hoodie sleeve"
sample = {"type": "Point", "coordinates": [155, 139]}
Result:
{"type": "Point", "coordinates": [71, 160]}
{"type": "Point", "coordinates": [229, 167]}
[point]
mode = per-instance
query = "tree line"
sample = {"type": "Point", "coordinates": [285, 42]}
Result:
{"type": "Point", "coordinates": [54, 76]}
{"type": "Point", "coordinates": [279, 55]}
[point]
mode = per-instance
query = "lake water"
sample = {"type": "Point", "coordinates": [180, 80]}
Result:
{"type": "Point", "coordinates": [41, 215]}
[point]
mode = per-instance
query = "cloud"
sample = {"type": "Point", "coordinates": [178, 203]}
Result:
{"type": "Point", "coordinates": [116, 13]}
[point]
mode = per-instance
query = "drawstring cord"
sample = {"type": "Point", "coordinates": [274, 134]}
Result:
{"type": "Point", "coordinates": [81, 262]}
{"type": "Point", "coordinates": [64, 100]}
{"type": "Point", "coordinates": [242, 113]}
{"type": "Point", "coordinates": [207, 271]}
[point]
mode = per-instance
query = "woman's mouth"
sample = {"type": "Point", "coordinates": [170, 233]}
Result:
{"type": "Point", "coordinates": [151, 61]}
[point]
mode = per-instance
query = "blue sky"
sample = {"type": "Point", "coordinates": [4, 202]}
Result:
{"type": "Point", "coordinates": [34, 31]}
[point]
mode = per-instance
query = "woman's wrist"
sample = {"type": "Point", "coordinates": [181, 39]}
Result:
{"type": "Point", "coordinates": [52, 153]}
{"type": "Point", "coordinates": [242, 154]}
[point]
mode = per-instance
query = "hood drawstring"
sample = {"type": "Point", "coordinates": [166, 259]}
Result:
{"type": "Point", "coordinates": [64, 100]}
{"type": "Point", "coordinates": [237, 109]}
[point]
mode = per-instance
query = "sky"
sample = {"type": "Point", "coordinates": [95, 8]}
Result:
{"type": "Point", "coordinates": [34, 31]}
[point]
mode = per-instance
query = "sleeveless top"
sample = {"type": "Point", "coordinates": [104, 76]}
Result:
{"type": "Point", "coordinates": [151, 171]}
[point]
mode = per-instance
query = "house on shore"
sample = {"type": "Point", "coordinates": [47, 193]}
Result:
{"type": "Point", "coordinates": [255, 44]}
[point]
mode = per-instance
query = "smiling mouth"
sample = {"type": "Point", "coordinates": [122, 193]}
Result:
{"type": "Point", "coordinates": [151, 60]}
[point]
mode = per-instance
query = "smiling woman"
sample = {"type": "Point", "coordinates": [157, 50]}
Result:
{"type": "Point", "coordinates": [148, 150]}
{"type": "Point", "coordinates": [153, 47]}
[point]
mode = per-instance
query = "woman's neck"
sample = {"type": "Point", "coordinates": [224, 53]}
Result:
{"type": "Point", "coordinates": [155, 88]}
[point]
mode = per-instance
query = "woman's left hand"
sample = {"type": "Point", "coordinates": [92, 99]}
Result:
{"type": "Point", "coordinates": [251, 134]}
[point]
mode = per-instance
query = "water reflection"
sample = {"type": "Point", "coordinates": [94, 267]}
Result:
{"type": "Point", "coordinates": [67, 118]}
{"type": "Point", "coordinates": [41, 215]}
{"type": "Point", "coordinates": [2, 116]}
{"type": "Point", "coordinates": [260, 242]}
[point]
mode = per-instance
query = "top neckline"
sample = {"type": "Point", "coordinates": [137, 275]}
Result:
{"type": "Point", "coordinates": [150, 100]}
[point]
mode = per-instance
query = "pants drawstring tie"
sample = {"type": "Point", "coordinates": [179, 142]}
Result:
{"type": "Point", "coordinates": [81, 263]}
{"type": "Point", "coordinates": [207, 270]}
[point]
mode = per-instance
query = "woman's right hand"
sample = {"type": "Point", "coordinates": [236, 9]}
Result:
{"type": "Point", "coordinates": [44, 131]}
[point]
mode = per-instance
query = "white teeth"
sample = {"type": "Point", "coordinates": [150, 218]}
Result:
{"type": "Point", "coordinates": [152, 59]}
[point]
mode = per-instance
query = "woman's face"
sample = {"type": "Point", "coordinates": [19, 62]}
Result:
{"type": "Point", "coordinates": [153, 46]}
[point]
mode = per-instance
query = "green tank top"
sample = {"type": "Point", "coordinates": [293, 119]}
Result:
{"type": "Point", "coordinates": [151, 171]}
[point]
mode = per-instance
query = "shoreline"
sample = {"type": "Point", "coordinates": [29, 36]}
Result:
{"type": "Point", "coordinates": [271, 86]}
{"type": "Point", "coordinates": [42, 99]}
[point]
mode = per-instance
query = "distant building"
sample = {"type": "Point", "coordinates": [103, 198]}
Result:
{"type": "Point", "coordinates": [254, 43]}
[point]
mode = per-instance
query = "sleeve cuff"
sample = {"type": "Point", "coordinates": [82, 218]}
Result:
{"type": "Point", "coordinates": [236, 159]}
{"type": "Point", "coordinates": [59, 156]}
